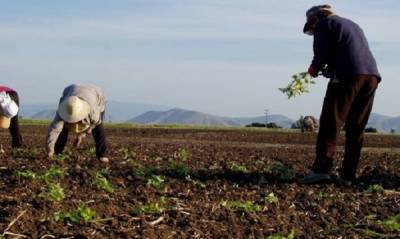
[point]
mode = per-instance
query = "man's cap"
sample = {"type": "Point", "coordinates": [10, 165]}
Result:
{"type": "Point", "coordinates": [314, 11]}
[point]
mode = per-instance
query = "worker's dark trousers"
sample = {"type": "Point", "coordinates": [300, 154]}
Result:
{"type": "Point", "coordinates": [16, 138]}
{"type": "Point", "coordinates": [98, 136]}
{"type": "Point", "coordinates": [346, 103]}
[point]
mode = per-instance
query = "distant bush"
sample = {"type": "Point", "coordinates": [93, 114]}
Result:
{"type": "Point", "coordinates": [371, 130]}
{"type": "Point", "coordinates": [271, 125]}
{"type": "Point", "coordinates": [255, 124]}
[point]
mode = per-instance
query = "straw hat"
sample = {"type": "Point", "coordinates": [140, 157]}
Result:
{"type": "Point", "coordinates": [73, 109]}
{"type": "Point", "coordinates": [4, 122]}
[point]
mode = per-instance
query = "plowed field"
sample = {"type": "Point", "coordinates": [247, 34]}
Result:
{"type": "Point", "coordinates": [194, 183]}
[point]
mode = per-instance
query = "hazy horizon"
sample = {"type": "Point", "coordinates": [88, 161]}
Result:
{"type": "Point", "coordinates": [224, 57]}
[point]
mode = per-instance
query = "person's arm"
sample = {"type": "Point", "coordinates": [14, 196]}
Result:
{"type": "Point", "coordinates": [55, 129]}
{"type": "Point", "coordinates": [322, 47]}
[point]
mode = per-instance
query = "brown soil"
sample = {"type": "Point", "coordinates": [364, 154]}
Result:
{"type": "Point", "coordinates": [222, 167]}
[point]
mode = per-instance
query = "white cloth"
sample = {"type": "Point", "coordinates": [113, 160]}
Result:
{"type": "Point", "coordinates": [9, 108]}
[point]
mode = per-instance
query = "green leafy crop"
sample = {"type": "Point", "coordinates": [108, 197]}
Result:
{"type": "Point", "coordinates": [238, 168]}
{"type": "Point", "coordinates": [271, 198]}
{"type": "Point", "coordinates": [246, 206]}
{"type": "Point", "coordinates": [156, 181]}
{"type": "Point", "coordinates": [150, 208]}
{"type": "Point", "coordinates": [55, 193]}
{"type": "Point", "coordinates": [103, 183]}
{"type": "Point", "coordinates": [82, 213]}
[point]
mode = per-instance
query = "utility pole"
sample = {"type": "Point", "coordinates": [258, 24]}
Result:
{"type": "Point", "coordinates": [266, 117]}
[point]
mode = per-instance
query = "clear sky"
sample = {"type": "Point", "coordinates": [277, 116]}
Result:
{"type": "Point", "coordinates": [224, 57]}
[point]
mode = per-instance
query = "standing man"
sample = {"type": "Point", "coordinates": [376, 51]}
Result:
{"type": "Point", "coordinates": [342, 54]}
{"type": "Point", "coordinates": [9, 107]}
{"type": "Point", "coordinates": [81, 110]}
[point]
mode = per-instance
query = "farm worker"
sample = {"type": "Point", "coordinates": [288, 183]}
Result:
{"type": "Point", "coordinates": [342, 54]}
{"type": "Point", "coordinates": [310, 123]}
{"type": "Point", "coordinates": [9, 107]}
{"type": "Point", "coordinates": [80, 110]}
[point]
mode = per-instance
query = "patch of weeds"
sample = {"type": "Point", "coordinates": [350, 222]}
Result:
{"type": "Point", "coordinates": [322, 195]}
{"type": "Point", "coordinates": [179, 169]}
{"type": "Point", "coordinates": [184, 154]}
{"type": "Point", "coordinates": [392, 224]}
{"type": "Point", "coordinates": [234, 167]}
{"type": "Point", "coordinates": [284, 171]}
{"type": "Point", "coordinates": [52, 174]}
{"type": "Point", "coordinates": [245, 206]}
{"type": "Point", "coordinates": [26, 174]}
{"type": "Point", "coordinates": [151, 208]}
{"type": "Point", "coordinates": [25, 153]}
{"type": "Point", "coordinates": [92, 151]}
{"type": "Point", "coordinates": [47, 176]}
{"type": "Point", "coordinates": [55, 193]}
{"type": "Point", "coordinates": [62, 157]}
{"type": "Point", "coordinates": [102, 182]}
{"type": "Point", "coordinates": [195, 182]}
{"type": "Point", "coordinates": [156, 181]}
{"type": "Point", "coordinates": [375, 188]}
{"type": "Point", "coordinates": [271, 198]}
{"type": "Point", "coordinates": [127, 153]}
{"type": "Point", "coordinates": [290, 236]}
{"type": "Point", "coordinates": [82, 213]}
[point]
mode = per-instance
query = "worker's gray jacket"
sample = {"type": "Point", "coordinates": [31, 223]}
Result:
{"type": "Point", "coordinates": [93, 96]}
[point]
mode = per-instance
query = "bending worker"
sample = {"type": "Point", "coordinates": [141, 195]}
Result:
{"type": "Point", "coordinates": [342, 54]}
{"type": "Point", "coordinates": [9, 107]}
{"type": "Point", "coordinates": [80, 110]}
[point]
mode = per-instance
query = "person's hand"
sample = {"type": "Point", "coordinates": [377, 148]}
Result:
{"type": "Point", "coordinates": [50, 155]}
{"type": "Point", "coordinates": [78, 141]}
{"type": "Point", "coordinates": [312, 71]}
{"type": "Point", "coordinates": [104, 159]}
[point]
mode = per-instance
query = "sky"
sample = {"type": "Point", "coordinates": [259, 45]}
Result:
{"type": "Point", "coordinates": [223, 57]}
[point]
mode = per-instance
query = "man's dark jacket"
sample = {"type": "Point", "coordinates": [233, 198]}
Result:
{"type": "Point", "coordinates": [341, 44]}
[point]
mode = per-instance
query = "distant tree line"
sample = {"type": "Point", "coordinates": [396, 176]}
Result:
{"type": "Point", "coordinates": [261, 125]}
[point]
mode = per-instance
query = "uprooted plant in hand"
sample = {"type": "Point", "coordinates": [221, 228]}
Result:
{"type": "Point", "coordinates": [299, 85]}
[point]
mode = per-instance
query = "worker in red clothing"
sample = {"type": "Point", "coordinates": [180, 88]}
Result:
{"type": "Point", "coordinates": [342, 54]}
{"type": "Point", "coordinates": [9, 107]}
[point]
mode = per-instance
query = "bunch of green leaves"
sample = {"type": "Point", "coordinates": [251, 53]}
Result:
{"type": "Point", "coordinates": [25, 153]}
{"type": "Point", "coordinates": [102, 182]}
{"type": "Point", "coordinates": [375, 188]}
{"type": "Point", "coordinates": [62, 157]}
{"type": "Point", "coordinates": [184, 154]}
{"type": "Point", "coordinates": [127, 154]}
{"type": "Point", "coordinates": [299, 85]}
{"type": "Point", "coordinates": [179, 169]}
{"type": "Point", "coordinates": [238, 168]}
{"type": "Point", "coordinates": [26, 174]}
{"type": "Point", "coordinates": [49, 175]}
{"type": "Point", "coordinates": [393, 223]}
{"type": "Point", "coordinates": [195, 182]}
{"type": "Point", "coordinates": [245, 206]}
{"type": "Point", "coordinates": [55, 193]}
{"type": "Point", "coordinates": [151, 208]}
{"type": "Point", "coordinates": [82, 213]}
{"type": "Point", "coordinates": [156, 181]}
{"type": "Point", "coordinates": [290, 236]}
{"type": "Point", "coordinates": [284, 171]}
{"type": "Point", "coordinates": [271, 198]}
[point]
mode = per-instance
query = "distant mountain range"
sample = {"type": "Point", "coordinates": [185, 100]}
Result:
{"type": "Point", "coordinates": [181, 116]}
{"type": "Point", "coordinates": [115, 111]}
{"type": "Point", "coordinates": [157, 114]}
